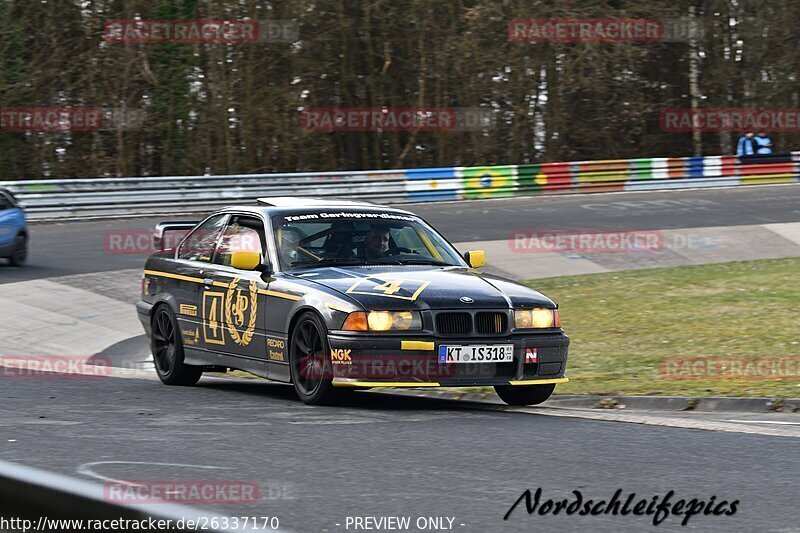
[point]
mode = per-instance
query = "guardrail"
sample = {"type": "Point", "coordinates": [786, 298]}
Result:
{"type": "Point", "coordinates": [113, 197]}
{"type": "Point", "coordinates": [36, 500]}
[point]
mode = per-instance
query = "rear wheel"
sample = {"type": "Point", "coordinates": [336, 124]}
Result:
{"type": "Point", "coordinates": [167, 348]}
{"type": "Point", "coordinates": [309, 355]}
{"type": "Point", "coordinates": [20, 255]}
{"type": "Point", "coordinates": [524, 394]}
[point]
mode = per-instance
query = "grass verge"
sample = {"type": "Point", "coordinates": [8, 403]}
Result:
{"type": "Point", "coordinates": [635, 332]}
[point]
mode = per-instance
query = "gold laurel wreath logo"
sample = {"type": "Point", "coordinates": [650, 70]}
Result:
{"type": "Point", "coordinates": [247, 336]}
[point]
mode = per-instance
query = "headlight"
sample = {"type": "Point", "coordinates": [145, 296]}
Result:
{"type": "Point", "coordinates": [535, 318]}
{"type": "Point", "coordinates": [383, 321]}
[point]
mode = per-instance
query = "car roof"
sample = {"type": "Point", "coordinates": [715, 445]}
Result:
{"type": "Point", "coordinates": [279, 205]}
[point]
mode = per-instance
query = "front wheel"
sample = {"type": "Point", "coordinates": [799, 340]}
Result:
{"type": "Point", "coordinates": [524, 394]}
{"type": "Point", "coordinates": [167, 346]}
{"type": "Point", "coordinates": [309, 355]}
{"type": "Point", "coordinates": [20, 255]}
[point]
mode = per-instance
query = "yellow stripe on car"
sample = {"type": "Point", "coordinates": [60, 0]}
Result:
{"type": "Point", "coordinates": [385, 384]}
{"type": "Point", "coordinates": [279, 294]}
{"type": "Point", "coordinates": [191, 279]}
{"type": "Point", "coordinates": [538, 381]}
{"type": "Point", "coordinates": [340, 308]}
{"type": "Point", "coordinates": [172, 276]}
{"type": "Point", "coordinates": [356, 383]}
{"type": "Point", "coordinates": [417, 345]}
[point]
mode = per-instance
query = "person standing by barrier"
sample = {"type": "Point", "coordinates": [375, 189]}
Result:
{"type": "Point", "coordinates": [764, 143]}
{"type": "Point", "coordinates": [747, 144]}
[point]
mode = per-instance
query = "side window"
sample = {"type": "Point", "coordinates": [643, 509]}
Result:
{"type": "Point", "coordinates": [5, 203]}
{"type": "Point", "coordinates": [242, 234]}
{"type": "Point", "coordinates": [200, 244]}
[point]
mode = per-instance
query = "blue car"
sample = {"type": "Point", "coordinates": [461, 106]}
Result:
{"type": "Point", "coordinates": [13, 230]}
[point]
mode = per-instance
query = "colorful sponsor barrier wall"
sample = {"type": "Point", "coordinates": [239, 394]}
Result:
{"type": "Point", "coordinates": [455, 183]}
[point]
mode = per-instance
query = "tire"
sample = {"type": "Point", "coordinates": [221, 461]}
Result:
{"type": "Point", "coordinates": [167, 347]}
{"type": "Point", "coordinates": [524, 394]}
{"type": "Point", "coordinates": [20, 255]}
{"type": "Point", "coordinates": [310, 363]}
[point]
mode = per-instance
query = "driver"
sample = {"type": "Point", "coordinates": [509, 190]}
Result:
{"type": "Point", "coordinates": [376, 242]}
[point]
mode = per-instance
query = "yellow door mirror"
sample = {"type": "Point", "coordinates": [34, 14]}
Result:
{"type": "Point", "coordinates": [475, 258]}
{"type": "Point", "coordinates": [245, 260]}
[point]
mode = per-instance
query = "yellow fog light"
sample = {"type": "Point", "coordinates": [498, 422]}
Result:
{"type": "Point", "coordinates": [534, 318]}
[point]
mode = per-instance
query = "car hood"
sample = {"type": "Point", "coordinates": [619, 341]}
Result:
{"type": "Point", "coordinates": [414, 287]}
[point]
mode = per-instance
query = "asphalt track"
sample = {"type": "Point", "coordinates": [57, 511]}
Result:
{"type": "Point", "coordinates": [383, 455]}
{"type": "Point", "coordinates": [59, 249]}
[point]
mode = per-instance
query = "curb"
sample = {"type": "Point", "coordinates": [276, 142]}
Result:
{"type": "Point", "coordinates": [639, 403]}
{"type": "Point", "coordinates": [679, 403]}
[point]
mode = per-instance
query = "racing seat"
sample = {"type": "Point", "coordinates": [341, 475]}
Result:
{"type": "Point", "coordinates": [341, 242]}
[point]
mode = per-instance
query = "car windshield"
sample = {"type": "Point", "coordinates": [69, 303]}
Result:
{"type": "Point", "coordinates": [325, 239]}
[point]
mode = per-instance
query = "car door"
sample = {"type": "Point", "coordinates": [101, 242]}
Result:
{"type": "Point", "coordinates": [235, 301]}
{"type": "Point", "coordinates": [192, 261]}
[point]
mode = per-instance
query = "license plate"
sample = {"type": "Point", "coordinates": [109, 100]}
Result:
{"type": "Point", "coordinates": [476, 353]}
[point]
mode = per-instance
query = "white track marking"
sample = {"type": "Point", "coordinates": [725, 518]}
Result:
{"type": "Point", "coordinates": [776, 422]}
{"type": "Point", "coordinates": [86, 469]}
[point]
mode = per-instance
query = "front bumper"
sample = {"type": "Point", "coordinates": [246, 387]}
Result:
{"type": "Point", "coordinates": [408, 361]}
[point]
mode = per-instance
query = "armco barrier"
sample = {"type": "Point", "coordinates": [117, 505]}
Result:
{"type": "Point", "coordinates": [36, 500]}
{"type": "Point", "coordinates": [111, 197]}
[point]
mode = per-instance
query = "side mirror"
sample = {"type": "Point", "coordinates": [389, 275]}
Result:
{"type": "Point", "coordinates": [245, 260]}
{"type": "Point", "coordinates": [266, 270]}
{"type": "Point", "coordinates": [475, 258]}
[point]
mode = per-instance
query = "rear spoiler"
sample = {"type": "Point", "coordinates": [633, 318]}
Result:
{"type": "Point", "coordinates": [162, 228]}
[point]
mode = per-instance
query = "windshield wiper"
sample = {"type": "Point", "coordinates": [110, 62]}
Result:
{"type": "Point", "coordinates": [328, 262]}
{"type": "Point", "coordinates": [357, 261]}
{"type": "Point", "coordinates": [411, 262]}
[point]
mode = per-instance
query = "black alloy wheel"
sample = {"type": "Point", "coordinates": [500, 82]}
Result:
{"type": "Point", "coordinates": [167, 348]}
